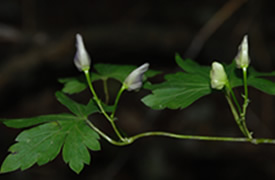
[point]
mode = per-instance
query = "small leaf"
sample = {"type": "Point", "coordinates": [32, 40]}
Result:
{"type": "Point", "coordinates": [190, 66]}
{"type": "Point", "coordinates": [118, 72]}
{"type": "Point", "coordinates": [73, 85]}
{"type": "Point", "coordinates": [76, 108]}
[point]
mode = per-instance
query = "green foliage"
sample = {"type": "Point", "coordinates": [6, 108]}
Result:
{"type": "Point", "coordinates": [43, 143]}
{"type": "Point", "coordinates": [255, 79]}
{"type": "Point", "coordinates": [180, 89]}
{"type": "Point", "coordinates": [103, 72]}
{"type": "Point", "coordinates": [75, 135]}
{"type": "Point", "coordinates": [73, 85]}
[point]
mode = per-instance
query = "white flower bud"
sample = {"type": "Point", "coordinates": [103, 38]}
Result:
{"type": "Point", "coordinates": [218, 76]}
{"type": "Point", "coordinates": [134, 79]}
{"type": "Point", "coordinates": [242, 58]}
{"type": "Point", "coordinates": [81, 60]}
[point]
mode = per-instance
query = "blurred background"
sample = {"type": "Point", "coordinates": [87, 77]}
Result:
{"type": "Point", "coordinates": [37, 46]}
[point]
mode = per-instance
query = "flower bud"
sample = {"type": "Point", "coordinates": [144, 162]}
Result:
{"type": "Point", "coordinates": [242, 58]}
{"type": "Point", "coordinates": [217, 76]}
{"type": "Point", "coordinates": [134, 79]}
{"type": "Point", "coordinates": [81, 60]}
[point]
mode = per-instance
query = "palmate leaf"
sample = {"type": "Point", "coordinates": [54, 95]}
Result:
{"type": "Point", "coordinates": [102, 72]}
{"type": "Point", "coordinates": [43, 143]}
{"type": "Point", "coordinates": [180, 89]}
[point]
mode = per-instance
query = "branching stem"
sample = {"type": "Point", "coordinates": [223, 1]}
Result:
{"type": "Point", "coordinates": [132, 139]}
{"type": "Point", "coordinates": [97, 100]}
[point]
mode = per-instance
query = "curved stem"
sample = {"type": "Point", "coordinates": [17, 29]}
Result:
{"type": "Point", "coordinates": [97, 100]}
{"type": "Point", "coordinates": [117, 100]}
{"type": "Point", "coordinates": [106, 137]}
{"type": "Point", "coordinates": [132, 139]}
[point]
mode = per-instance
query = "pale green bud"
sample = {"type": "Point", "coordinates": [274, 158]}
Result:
{"type": "Point", "coordinates": [218, 76]}
{"type": "Point", "coordinates": [134, 79]}
{"type": "Point", "coordinates": [242, 58]}
{"type": "Point", "coordinates": [82, 59]}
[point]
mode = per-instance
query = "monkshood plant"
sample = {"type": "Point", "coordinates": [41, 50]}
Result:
{"type": "Point", "coordinates": [44, 137]}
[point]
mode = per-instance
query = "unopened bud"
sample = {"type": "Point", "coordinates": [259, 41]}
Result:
{"type": "Point", "coordinates": [134, 79]}
{"type": "Point", "coordinates": [82, 59]}
{"type": "Point", "coordinates": [218, 76]}
{"type": "Point", "coordinates": [242, 58]}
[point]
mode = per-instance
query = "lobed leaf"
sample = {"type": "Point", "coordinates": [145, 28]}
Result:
{"type": "Point", "coordinates": [43, 143]}
{"type": "Point", "coordinates": [178, 91]}
{"type": "Point", "coordinates": [76, 108]}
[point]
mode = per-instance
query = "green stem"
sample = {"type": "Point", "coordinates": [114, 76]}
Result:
{"type": "Point", "coordinates": [105, 88]}
{"type": "Point", "coordinates": [97, 100]}
{"type": "Point", "coordinates": [117, 100]}
{"type": "Point", "coordinates": [132, 139]}
{"type": "Point", "coordinates": [246, 102]}
{"type": "Point", "coordinates": [203, 138]}
{"type": "Point", "coordinates": [235, 113]}
{"type": "Point", "coordinates": [233, 96]}
{"type": "Point", "coordinates": [245, 82]}
{"type": "Point", "coordinates": [106, 137]}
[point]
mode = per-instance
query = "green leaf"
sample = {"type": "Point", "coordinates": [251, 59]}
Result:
{"type": "Point", "coordinates": [73, 85]}
{"type": "Point", "coordinates": [262, 85]}
{"type": "Point", "coordinates": [27, 122]}
{"type": "Point", "coordinates": [181, 89]}
{"type": "Point", "coordinates": [178, 91]}
{"type": "Point", "coordinates": [102, 72]}
{"type": "Point", "coordinates": [255, 79]}
{"type": "Point", "coordinates": [75, 151]}
{"type": "Point", "coordinates": [117, 72]}
{"type": "Point", "coordinates": [192, 67]}
{"type": "Point", "coordinates": [76, 108]}
{"type": "Point", "coordinates": [43, 143]}
{"type": "Point", "coordinates": [37, 145]}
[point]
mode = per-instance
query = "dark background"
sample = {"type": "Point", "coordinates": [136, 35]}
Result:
{"type": "Point", "coordinates": [37, 47]}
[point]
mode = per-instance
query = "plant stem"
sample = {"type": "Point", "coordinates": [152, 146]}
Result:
{"type": "Point", "coordinates": [245, 103]}
{"type": "Point", "coordinates": [234, 97]}
{"type": "Point", "coordinates": [235, 113]}
{"type": "Point", "coordinates": [106, 137]}
{"type": "Point", "coordinates": [105, 88]}
{"type": "Point", "coordinates": [132, 139]}
{"type": "Point", "coordinates": [117, 100]}
{"type": "Point", "coordinates": [97, 100]}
